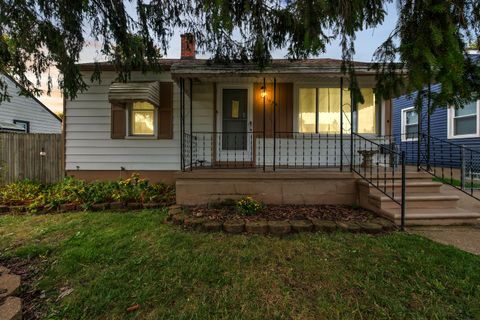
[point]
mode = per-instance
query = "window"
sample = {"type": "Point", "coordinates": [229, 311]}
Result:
{"type": "Point", "coordinates": [142, 119]}
{"type": "Point", "coordinates": [307, 105]}
{"type": "Point", "coordinates": [464, 122]}
{"type": "Point", "coordinates": [409, 124]}
{"type": "Point", "coordinates": [319, 111]}
{"type": "Point", "coordinates": [367, 120]}
{"type": "Point", "coordinates": [24, 124]}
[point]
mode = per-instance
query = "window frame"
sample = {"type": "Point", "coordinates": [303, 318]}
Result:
{"type": "Point", "coordinates": [129, 124]}
{"type": "Point", "coordinates": [27, 123]}
{"type": "Point", "coordinates": [404, 125]}
{"type": "Point", "coordinates": [379, 108]}
{"type": "Point", "coordinates": [451, 124]}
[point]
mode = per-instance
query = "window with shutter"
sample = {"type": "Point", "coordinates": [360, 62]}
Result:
{"type": "Point", "coordinates": [137, 116]}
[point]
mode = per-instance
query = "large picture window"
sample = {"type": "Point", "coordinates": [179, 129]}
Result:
{"type": "Point", "coordinates": [367, 116]}
{"type": "Point", "coordinates": [464, 121]}
{"type": "Point", "coordinates": [142, 119]}
{"type": "Point", "coordinates": [409, 124]}
{"type": "Point", "coordinates": [319, 111]}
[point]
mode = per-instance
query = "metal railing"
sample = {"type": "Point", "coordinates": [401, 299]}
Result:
{"type": "Point", "coordinates": [450, 163]}
{"type": "Point", "coordinates": [378, 164]}
{"type": "Point", "coordinates": [279, 150]}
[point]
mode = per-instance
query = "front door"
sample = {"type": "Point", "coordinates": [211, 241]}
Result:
{"type": "Point", "coordinates": [236, 141]}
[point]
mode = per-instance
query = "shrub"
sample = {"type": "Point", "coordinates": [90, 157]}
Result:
{"type": "Point", "coordinates": [160, 193]}
{"type": "Point", "coordinates": [20, 193]}
{"type": "Point", "coordinates": [85, 194]}
{"type": "Point", "coordinates": [248, 206]}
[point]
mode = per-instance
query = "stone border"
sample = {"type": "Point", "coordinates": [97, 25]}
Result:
{"type": "Point", "coordinates": [72, 207]}
{"type": "Point", "coordinates": [179, 215]}
{"type": "Point", "coordinates": [10, 306]}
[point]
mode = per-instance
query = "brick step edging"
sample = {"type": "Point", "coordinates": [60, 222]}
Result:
{"type": "Point", "coordinates": [178, 216]}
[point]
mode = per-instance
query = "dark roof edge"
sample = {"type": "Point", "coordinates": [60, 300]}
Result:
{"type": "Point", "coordinates": [169, 64]}
{"type": "Point", "coordinates": [33, 97]}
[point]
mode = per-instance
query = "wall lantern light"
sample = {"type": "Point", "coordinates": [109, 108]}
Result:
{"type": "Point", "coordinates": [263, 92]}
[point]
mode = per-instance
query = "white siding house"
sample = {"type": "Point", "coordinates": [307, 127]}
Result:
{"type": "Point", "coordinates": [26, 113]}
{"type": "Point", "coordinates": [199, 114]}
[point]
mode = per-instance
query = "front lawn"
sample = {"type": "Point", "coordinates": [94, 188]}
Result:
{"type": "Point", "coordinates": [113, 261]}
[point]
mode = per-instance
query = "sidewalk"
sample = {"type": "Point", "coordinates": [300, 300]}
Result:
{"type": "Point", "coordinates": [466, 238]}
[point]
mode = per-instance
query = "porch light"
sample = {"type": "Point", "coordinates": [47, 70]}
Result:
{"type": "Point", "coordinates": [263, 93]}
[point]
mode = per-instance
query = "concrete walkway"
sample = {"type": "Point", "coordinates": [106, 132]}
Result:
{"type": "Point", "coordinates": [466, 238]}
{"type": "Point", "coordinates": [466, 202]}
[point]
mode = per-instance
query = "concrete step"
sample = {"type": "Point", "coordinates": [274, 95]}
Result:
{"type": "Point", "coordinates": [445, 216]}
{"type": "Point", "coordinates": [410, 175]}
{"type": "Point", "coordinates": [412, 187]}
{"type": "Point", "coordinates": [416, 201]}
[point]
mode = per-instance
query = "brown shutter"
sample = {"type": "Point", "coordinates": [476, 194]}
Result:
{"type": "Point", "coordinates": [118, 125]}
{"type": "Point", "coordinates": [284, 114]}
{"type": "Point", "coordinates": [165, 111]}
{"type": "Point", "coordinates": [284, 111]}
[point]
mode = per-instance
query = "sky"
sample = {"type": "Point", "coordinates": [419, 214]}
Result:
{"type": "Point", "coordinates": [366, 43]}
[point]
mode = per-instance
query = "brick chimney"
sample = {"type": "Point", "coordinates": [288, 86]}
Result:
{"type": "Point", "coordinates": [187, 46]}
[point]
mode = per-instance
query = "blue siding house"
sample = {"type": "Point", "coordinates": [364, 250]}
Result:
{"type": "Point", "coordinates": [450, 130]}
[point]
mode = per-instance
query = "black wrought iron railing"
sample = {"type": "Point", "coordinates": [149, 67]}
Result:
{"type": "Point", "coordinates": [448, 162]}
{"type": "Point", "coordinates": [279, 150]}
{"type": "Point", "coordinates": [221, 149]}
{"type": "Point", "coordinates": [383, 166]}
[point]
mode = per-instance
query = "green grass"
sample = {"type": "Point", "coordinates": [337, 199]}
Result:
{"type": "Point", "coordinates": [458, 183]}
{"type": "Point", "coordinates": [114, 260]}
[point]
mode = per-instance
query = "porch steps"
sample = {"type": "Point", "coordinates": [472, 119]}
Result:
{"type": "Point", "coordinates": [426, 204]}
{"type": "Point", "coordinates": [448, 216]}
{"type": "Point", "coordinates": [412, 187]}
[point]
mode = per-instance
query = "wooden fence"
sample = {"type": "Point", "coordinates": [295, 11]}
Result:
{"type": "Point", "coordinates": [34, 156]}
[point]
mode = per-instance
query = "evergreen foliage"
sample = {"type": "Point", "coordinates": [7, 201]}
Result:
{"type": "Point", "coordinates": [428, 45]}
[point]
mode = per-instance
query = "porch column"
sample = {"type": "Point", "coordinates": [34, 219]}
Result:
{"type": "Point", "coordinates": [182, 124]}
{"type": "Point", "coordinates": [428, 124]}
{"type": "Point", "coordinates": [419, 132]}
{"type": "Point", "coordinates": [264, 123]}
{"type": "Point", "coordinates": [191, 125]}
{"type": "Point", "coordinates": [274, 121]}
{"type": "Point", "coordinates": [341, 124]}
{"type": "Point", "coordinates": [352, 104]}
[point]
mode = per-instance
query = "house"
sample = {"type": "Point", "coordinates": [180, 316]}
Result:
{"type": "Point", "coordinates": [449, 139]}
{"type": "Point", "coordinates": [26, 114]}
{"type": "Point", "coordinates": [285, 135]}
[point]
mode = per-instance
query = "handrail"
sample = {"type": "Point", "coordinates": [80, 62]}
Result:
{"type": "Point", "coordinates": [450, 163]}
{"type": "Point", "coordinates": [373, 174]}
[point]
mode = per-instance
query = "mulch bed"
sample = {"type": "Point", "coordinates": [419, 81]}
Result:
{"type": "Point", "coordinates": [30, 270]}
{"type": "Point", "coordinates": [287, 212]}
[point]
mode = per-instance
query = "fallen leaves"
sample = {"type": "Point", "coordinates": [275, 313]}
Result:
{"type": "Point", "coordinates": [64, 291]}
{"type": "Point", "coordinates": [133, 308]}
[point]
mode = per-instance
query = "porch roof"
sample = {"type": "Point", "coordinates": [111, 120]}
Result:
{"type": "Point", "coordinates": [278, 67]}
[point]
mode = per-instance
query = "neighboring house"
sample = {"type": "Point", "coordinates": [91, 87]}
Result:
{"type": "Point", "coordinates": [454, 133]}
{"type": "Point", "coordinates": [26, 114]}
{"type": "Point", "coordinates": [460, 126]}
